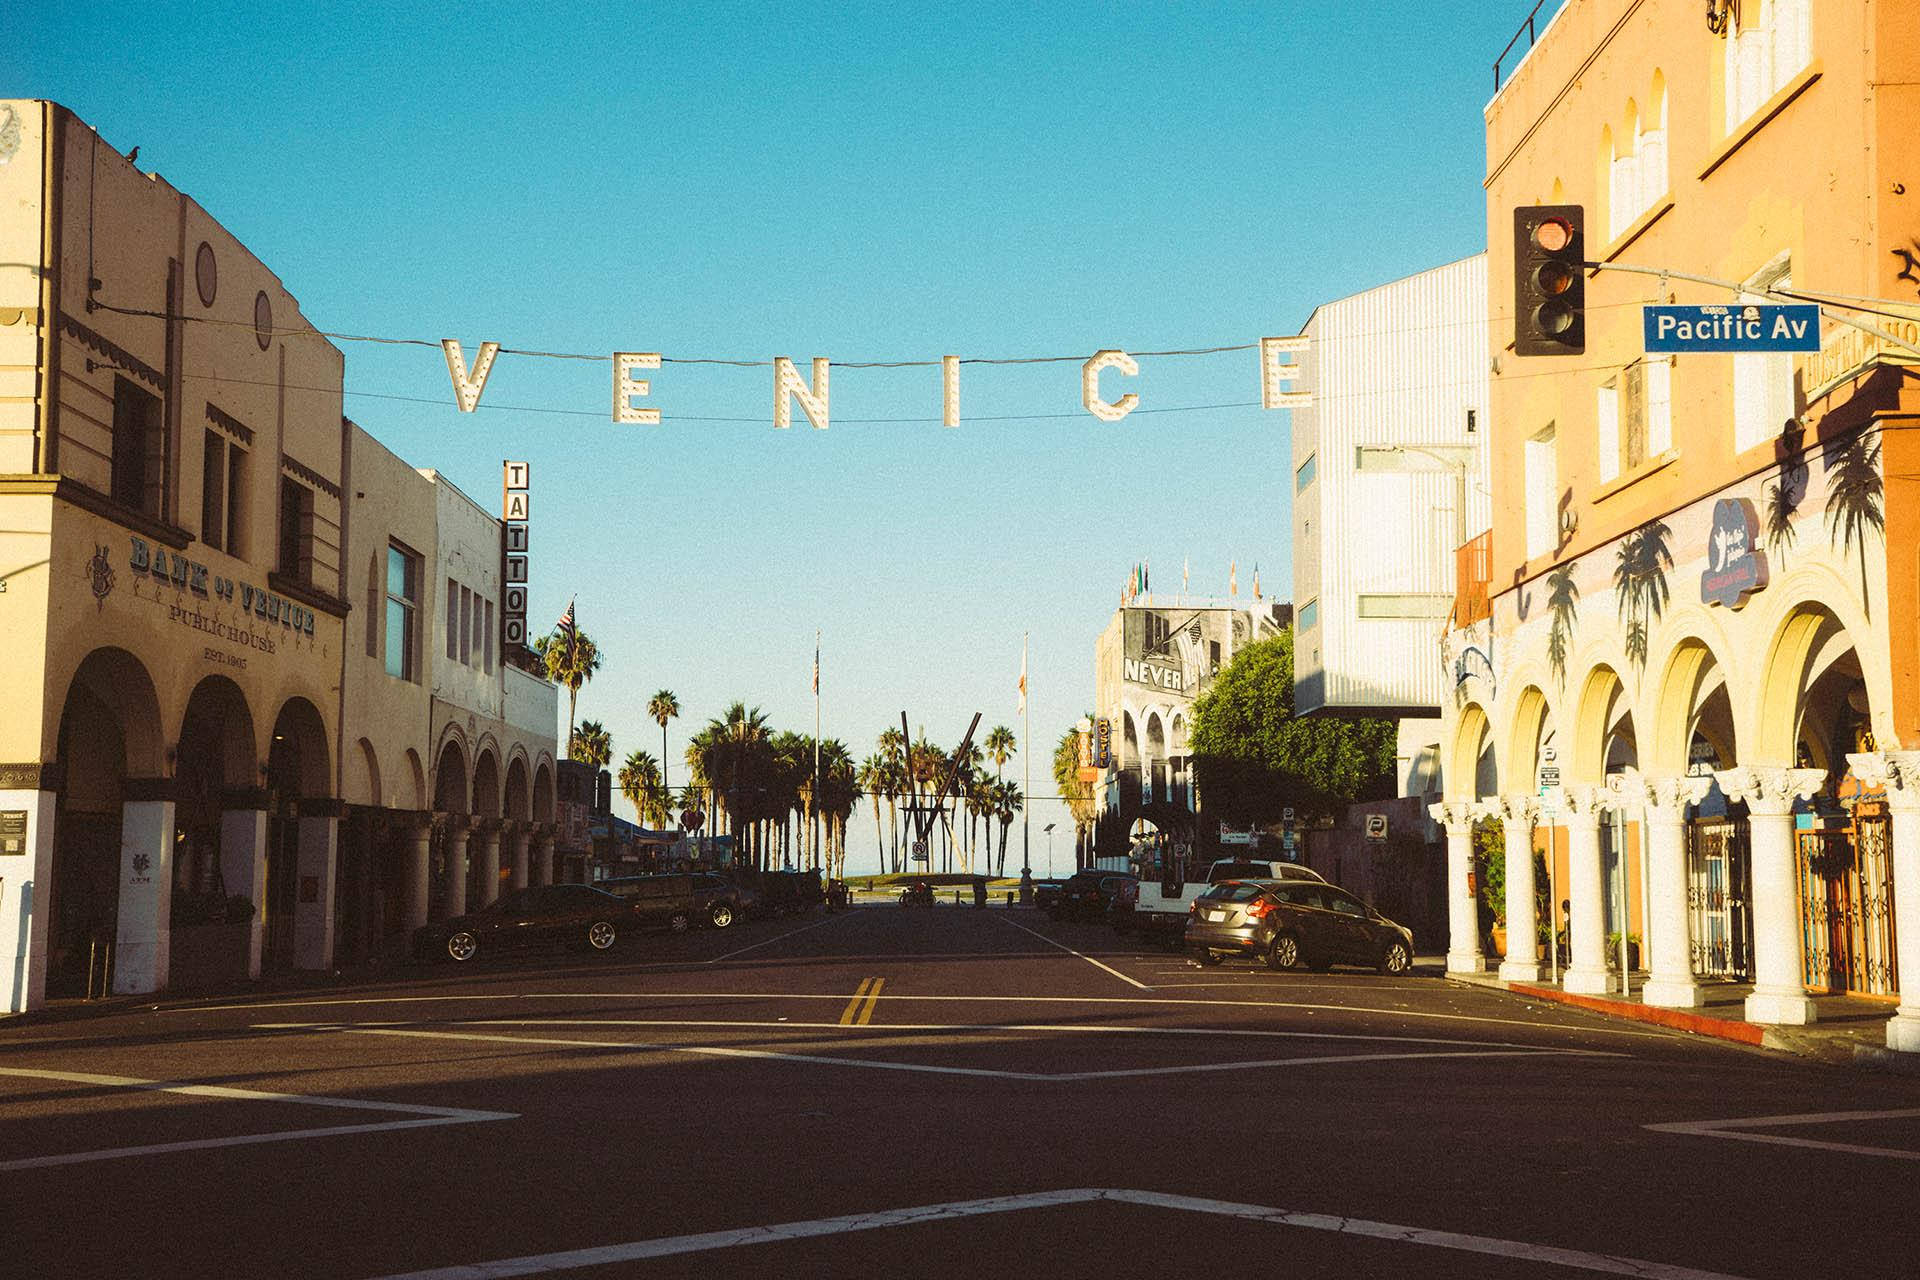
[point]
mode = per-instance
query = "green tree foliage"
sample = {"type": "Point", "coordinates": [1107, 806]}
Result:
{"type": "Point", "coordinates": [1253, 757]}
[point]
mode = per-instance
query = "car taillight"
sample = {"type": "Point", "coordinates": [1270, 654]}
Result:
{"type": "Point", "coordinates": [1193, 908]}
{"type": "Point", "coordinates": [1258, 908]}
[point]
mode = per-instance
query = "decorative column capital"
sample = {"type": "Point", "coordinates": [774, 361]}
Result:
{"type": "Point", "coordinates": [1521, 809]}
{"type": "Point", "coordinates": [1455, 815]}
{"type": "Point", "coordinates": [454, 824]}
{"type": "Point", "coordinates": [1770, 790]}
{"type": "Point", "coordinates": [1666, 797]}
{"type": "Point", "coordinates": [1582, 803]}
{"type": "Point", "coordinates": [1898, 772]}
{"type": "Point", "coordinates": [486, 828]}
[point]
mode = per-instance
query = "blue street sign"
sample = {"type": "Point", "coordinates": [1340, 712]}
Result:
{"type": "Point", "coordinates": [1739, 327]}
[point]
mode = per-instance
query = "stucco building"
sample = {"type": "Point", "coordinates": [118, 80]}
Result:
{"type": "Point", "coordinates": [181, 544]}
{"type": "Point", "coordinates": [1699, 587]}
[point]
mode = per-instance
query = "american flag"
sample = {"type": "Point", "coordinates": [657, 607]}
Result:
{"type": "Point", "coordinates": [565, 624]}
{"type": "Point", "coordinates": [816, 664]}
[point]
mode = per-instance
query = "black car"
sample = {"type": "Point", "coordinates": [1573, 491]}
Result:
{"type": "Point", "coordinates": [1046, 893]}
{"type": "Point", "coordinates": [1086, 894]}
{"type": "Point", "coordinates": [679, 900]}
{"type": "Point", "coordinates": [1295, 922]}
{"type": "Point", "coordinates": [555, 913]}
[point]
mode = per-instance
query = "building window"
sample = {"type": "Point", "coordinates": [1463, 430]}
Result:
{"type": "Point", "coordinates": [487, 638]}
{"type": "Point", "coordinates": [1543, 486]}
{"type": "Point", "coordinates": [1769, 43]}
{"type": "Point", "coordinates": [1309, 615]}
{"type": "Point", "coordinates": [139, 449]}
{"type": "Point", "coordinates": [1635, 417]}
{"type": "Point", "coordinates": [1637, 161]}
{"type": "Point", "coordinates": [403, 611]}
{"type": "Point", "coordinates": [1764, 399]}
{"type": "Point", "coordinates": [453, 621]}
{"type": "Point", "coordinates": [296, 530]}
{"type": "Point", "coordinates": [222, 489]}
{"type": "Point", "coordinates": [466, 626]}
{"type": "Point", "coordinates": [1304, 476]}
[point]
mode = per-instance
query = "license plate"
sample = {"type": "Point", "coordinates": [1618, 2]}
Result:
{"type": "Point", "coordinates": [1216, 916]}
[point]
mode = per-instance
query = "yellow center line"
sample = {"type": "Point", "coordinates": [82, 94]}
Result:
{"type": "Point", "coordinates": [847, 1019]}
{"type": "Point", "coordinates": [873, 998]}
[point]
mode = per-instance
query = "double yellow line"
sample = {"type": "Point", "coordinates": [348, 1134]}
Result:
{"type": "Point", "coordinates": [860, 1012]}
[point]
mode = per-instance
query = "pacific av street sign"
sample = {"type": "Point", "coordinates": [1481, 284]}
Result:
{"type": "Point", "coordinates": [1739, 328]}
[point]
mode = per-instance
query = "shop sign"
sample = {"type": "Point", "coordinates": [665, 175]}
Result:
{"type": "Point", "coordinates": [515, 501]}
{"type": "Point", "coordinates": [13, 832]}
{"type": "Point", "coordinates": [1377, 827]}
{"type": "Point", "coordinates": [194, 578]}
{"type": "Point", "coordinates": [1736, 567]}
{"type": "Point", "coordinates": [1103, 743]}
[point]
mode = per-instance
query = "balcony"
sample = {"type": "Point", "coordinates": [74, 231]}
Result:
{"type": "Point", "coordinates": [1472, 576]}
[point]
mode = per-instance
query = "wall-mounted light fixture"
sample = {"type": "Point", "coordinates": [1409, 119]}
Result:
{"type": "Point", "coordinates": [1719, 12]}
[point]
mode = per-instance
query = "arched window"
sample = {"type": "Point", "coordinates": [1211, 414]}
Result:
{"type": "Point", "coordinates": [1651, 146]}
{"type": "Point", "coordinates": [1769, 42]}
{"type": "Point", "coordinates": [1623, 176]}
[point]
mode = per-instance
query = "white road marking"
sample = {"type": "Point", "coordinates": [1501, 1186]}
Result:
{"type": "Point", "coordinates": [1731, 1129]}
{"type": "Point", "coordinates": [1070, 951]}
{"type": "Point", "coordinates": [1140, 1001]}
{"type": "Point", "coordinates": [953, 1210]}
{"type": "Point", "coordinates": [766, 942]}
{"type": "Point", "coordinates": [919, 1068]}
{"type": "Point", "coordinates": [424, 1117]}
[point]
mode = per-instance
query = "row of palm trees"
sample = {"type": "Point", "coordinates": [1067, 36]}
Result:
{"type": "Point", "coordinates": [908, 780]}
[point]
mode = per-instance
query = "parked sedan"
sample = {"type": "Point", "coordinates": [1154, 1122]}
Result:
{"type": "Point", "coordinates": [679, 900]}
{"type": "Point", "coordinates": [555, 913]}
{"type": "Point", "coordinates": [1295, 922]}
{"type": "Point", "coordinates": [1086, 894]}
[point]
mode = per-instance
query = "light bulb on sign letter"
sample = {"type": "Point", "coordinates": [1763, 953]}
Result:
{"type": "Point", "coordinates": [467, 389]}
{"type": "Point", "coordinates": [950, 386]}
{"type": "Point", "coordinates": [626, 387]}
{"type": "Point", "coordinates": [1273, 374]}
{"type": "Point", "coordinates": [788, 383]}
{"type": "Point", "coordinates": [1090, 385]}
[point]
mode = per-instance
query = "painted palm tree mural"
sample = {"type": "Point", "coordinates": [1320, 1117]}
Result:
{"type": "Point", "coordinates": [1783, 503]}
{"type": "Point", "coordinates": [1854, 496]}
{"type": "Point", "coordinates": [1563, 607]}
{"type": "Point", "coordinates": [1640, 583]}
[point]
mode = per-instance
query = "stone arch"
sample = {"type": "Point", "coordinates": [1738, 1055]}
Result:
{"type": "Point", "coordinates": [1693, 688]}
{"type": "Point", "coordinates": [543, 790]}
{"type": "Point", "coordinates": [414, 776]}
{"type": "Point", "coordinates": [1530, 727]}
{"type": "Point", "coordinates": [1129, 741]}
{"type": "Point", "coordinates": [217, 733]}
{"type": "Point", "coordinates": [368, 763]}
{"type": "Point", "coordinates": [1471, 769]}
{"type": "Point", "coordinates": [518, 803]}
{"type": "Point", "coordinates": [1602, 724]}
{"type": "Point", "coordinates": [1811, 665]}
{"type": "Point", "coordinates": [299, 760]}
{"type": "Point", "coordinates": [113, 684]}
{"type": "Point", "coordinates": [450, 778]}
{"type": "Point", "coordinates": [486, 784]}
{"type": "Point", "coordinates": [1798, 602]}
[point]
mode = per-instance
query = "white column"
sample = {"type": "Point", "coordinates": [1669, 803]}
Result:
{"type": "Point", "coordinates": [1463, 912]}
{"type": "Point", "coordinates": [1779, 988]}
{"type": "Point", "coordinates": [1663, 808]}
{"type": "Point", "coordinates": [543, 855]}
{"type": "Point", "coordinates": [140, 948]}
{"type": "Point", "coordinates": [26, 875]}
{"type": "Point", "coordinates": [318, 866]}
{"type": "Point", "coordinates": [1517, 814]}
{"type": "Point", "coordinates": [453, 876]}
{"type": "Point", "coordinates": [419, 872]}
{"type": "Point", "coordinates": [1899, 772]}
{"type": "Point", "coordinates": [243, 865]}
{"type": "Point", "coordinates": [1587, 886]}
{"type": "Point", "coordinates": [517, 839]}
{"type": "Point", "coordinates": [489, 830]}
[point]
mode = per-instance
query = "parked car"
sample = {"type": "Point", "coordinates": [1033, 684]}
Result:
{"type": "Point", "coordinates": [1166, 900]}
{"type": "Point", "coordinates": [679, 901]}
{"type": "Point", "coordinates": [1046, 893]}
{"type": "Point", "coordinates": [1295, 922]}
{"type": "Point", "coordinates": [1120, 908]}
{"type": "Point", "coordinates": [555, 913]}
{"type": "Point", "coordinates": [1086, 893]}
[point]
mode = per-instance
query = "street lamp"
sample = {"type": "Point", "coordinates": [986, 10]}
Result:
{"type": "Point", "coordinates": [1049, 830]}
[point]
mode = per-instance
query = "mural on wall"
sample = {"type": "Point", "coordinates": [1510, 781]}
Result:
{"type": "Point", "coordinates": [1854, 501]}
{"type": "Point", "coordinates": [1640, 586]}
{"type": "Point", "coordinates": [1909, 265]}
{"type": "Point", "coordinates": [1784, 497]}
{"type": "Point", "coordinates": [1563, 606]}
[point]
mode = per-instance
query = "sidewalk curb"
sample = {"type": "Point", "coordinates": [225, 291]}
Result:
{"type": "Point", "coordinates": [1678, 1019]}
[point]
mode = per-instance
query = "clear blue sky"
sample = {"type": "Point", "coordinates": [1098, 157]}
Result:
{"type": "Point", "coordinates": [865, 182]}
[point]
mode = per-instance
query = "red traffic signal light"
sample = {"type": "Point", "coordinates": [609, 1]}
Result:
{"type": "Point", "coordinates": [1549, 280]}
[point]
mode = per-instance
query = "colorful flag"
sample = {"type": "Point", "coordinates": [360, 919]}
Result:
{"type": "Point", "coordinates": [1023, 676]}
{"type": "Point", "coordinates": [816, 662]}
{"type": "Point", "coordinates": [1256, 582]}
{"type": "Point", "coordinates": [1186, 571]}
{"type": "Point", "coordinates": [565, 626]}
{"type": "Point", "coordinates": [1233, 578]}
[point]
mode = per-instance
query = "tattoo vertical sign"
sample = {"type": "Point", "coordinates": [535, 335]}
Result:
{"type": "Point", "coordinates": [514, 501]}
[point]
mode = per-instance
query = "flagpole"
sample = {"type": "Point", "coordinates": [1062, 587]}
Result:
{"type": "Point", "coordinates": [816, 749]}
{"type": "Point", "coordinates": [1026, 756]}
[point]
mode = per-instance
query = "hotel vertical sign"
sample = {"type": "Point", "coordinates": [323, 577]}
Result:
{"type": "Point", "coordinates": [514, 501]}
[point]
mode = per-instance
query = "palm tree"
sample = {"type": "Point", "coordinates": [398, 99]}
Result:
{"type": "Point", "coordinates": [1854, 492]}
{"type": "Point", "coordinates": [572, 658]}
{"type": "Point", "coordinates": [592, 744]}
{"type": "Point", "coordinates": [1563, 606]}
{"type": "Point", "coordinates": [1008, 801]}
{"type": "Point", "coordinates": [639, 782]}
{"type": "Point", "coordinates": [1077, 794]}
{"type": "Point", "coordinates": [1000, 744]}
{"type": "Point", "coordinates": [662, 707]}
{"type": "Point", "coordinates": [871, 780]}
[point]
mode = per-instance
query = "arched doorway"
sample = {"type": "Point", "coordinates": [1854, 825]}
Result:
{"type": "Point", "coordinates": [214, 889]}
{"type": "Point", "coordinates": [300, 841]}
{"type": "Point", "coordinates": [1153, 772]}
{"type": "Point", "coordinates": [109, 734]}
{"type": "Point", "coordinates": [1694, 735]}
{"type": "Point", "coordinates": [449, 857]}
{"type": "Point", "coordinates": [1606, 745]}
{"type": "Point", "coordinates": [484, 847]}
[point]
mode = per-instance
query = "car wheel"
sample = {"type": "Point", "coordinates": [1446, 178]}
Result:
{"type": "Point", "coordinates": [601, 935]}
{"type": "Point", "coordinates": [680, 922]}
{"type": "Point", "coordinates": [1284, 952]}
{"type": "Point", "coordinates": [462, 946]}
{"type": "Point", "coordinates": [1206, 957]}
{"type": "Point", "coordinates": [1396, 959]}
{"type": "Point", "coordinates": [721, 914]}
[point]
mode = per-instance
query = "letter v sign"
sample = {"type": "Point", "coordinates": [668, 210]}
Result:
{"type": "Point", "coordinates": [467, 389]}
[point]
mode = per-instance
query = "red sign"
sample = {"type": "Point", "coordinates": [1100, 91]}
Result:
{"type": "Point", "coordinates": [691, 818]}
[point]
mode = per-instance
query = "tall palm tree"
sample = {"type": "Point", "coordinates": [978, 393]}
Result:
{"type": "Point", "coordinates": [893, 748]}
{"type": "Point", "coordinates": [592, 744]}
{"type": "Point", "coordinates": [662, 707]}
{"type": "Point", "coordinates": [1854, 495]}
{"type": "Point", "coordinates": [871, 780]}
{"type": "Point", "coordinates": [639, 782]}
{"type": "Point", "coordinates": [571, 658]}
{"type": "Point", "coordinates": [1077, 794]}
{"type": "Point", "coordinates": [1000, 744]}
{"type": "Point", "coordinates": [1008, 801]}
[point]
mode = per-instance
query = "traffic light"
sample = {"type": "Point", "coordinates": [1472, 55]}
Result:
{"type": "Point", "coordinates": [1549, 280]}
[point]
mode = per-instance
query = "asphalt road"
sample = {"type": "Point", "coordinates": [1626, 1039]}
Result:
{"type": "Point", "coordinates": [944, 1092]}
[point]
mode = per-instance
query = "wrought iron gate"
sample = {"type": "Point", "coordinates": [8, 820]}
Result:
{"type": "Point", "coordinates": [1846, 905]}
{"type": "Point", "coordinates": [1719, 884]}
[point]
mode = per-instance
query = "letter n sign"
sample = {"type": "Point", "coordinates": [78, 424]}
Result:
{"type": "Point", "coordinates": [514, 504]}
